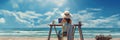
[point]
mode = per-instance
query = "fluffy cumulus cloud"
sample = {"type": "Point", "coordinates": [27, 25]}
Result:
{"type": "Point", "coordinates": [2, 20]}
{"type": "Point", "coordinates": [40, 13]}
{"type": "Point", "coordinates": [87, 17]}
{"type": "Point", "coordinates": [32, 4]}
{"type": "Point", "coordinates": [29, 18]}
{"type": "Point", "coordinates": [58, 2]}
{"type": "Point", "coordinates": [118, 23]}
{"type": "Point", "coordinates": [104, 22]}
{"type": "Point", "coordinates": [56, 13]}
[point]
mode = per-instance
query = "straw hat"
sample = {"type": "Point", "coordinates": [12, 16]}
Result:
{"type": "Point", "coordinates": [66, 14]}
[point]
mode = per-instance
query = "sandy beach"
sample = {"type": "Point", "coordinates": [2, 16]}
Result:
{"type": "Point", "coordinates": [32, 38]}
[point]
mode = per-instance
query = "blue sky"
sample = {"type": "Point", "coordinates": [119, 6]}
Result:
{"type": "Point", "coordinates": [40, 13]}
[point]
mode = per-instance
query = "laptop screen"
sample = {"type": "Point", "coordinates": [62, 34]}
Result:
{"type": "Point", "coordinates": [59, 20]}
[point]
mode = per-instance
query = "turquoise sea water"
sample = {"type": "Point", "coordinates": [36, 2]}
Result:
{"type": "Point", "coordinates": [43, 32]}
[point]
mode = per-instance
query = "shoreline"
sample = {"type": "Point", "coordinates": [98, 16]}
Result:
{"type": "Point", "coordinates": [43, 38]}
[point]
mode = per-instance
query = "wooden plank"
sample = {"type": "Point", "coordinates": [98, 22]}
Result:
{"type": "Point", "coordinates": [62, 25]}
{"type": "Point", "coordinates": [80, 31]}
{"type": "Point", "coordinates": [50, 32]}
{"type": "Point", "coordinates": [59, 38]}
{"type": "Point", "coordinates": [74, 32]}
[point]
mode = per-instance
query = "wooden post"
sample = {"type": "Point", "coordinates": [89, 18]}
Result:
{"type": "Point", "coordinates": [74, 31]}
{"type": "Point", "coordinates": [59, 38]}
{"type": "Point", "coordinates": [80, 31]}
{"type": "Point", "coordinates": [50, 32]}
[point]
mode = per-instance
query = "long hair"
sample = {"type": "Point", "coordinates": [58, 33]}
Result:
{"type": "Point", "coordinates": [68, 20]}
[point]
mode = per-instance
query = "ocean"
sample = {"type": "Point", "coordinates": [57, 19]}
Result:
{"type": "Point", "coordinates": [43, 32]}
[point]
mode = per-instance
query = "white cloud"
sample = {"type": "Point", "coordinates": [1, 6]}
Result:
{"type": "Point", "coordinates": [2, 20]}
{"type": "Point", "coordinates": [84, 15]}
{"type": "Point", "coordinates": [33, 19]}
{"type": "Point", "coordinates": [28, 14]}
{"type": "Point", "coordinates": [10, 13]}
{"type": "Point", "coordinates": [56, 13]}
{"type": "Point", "coordinates": [19, 19]}
{"type": "Point", "coordinates": [88, 18]}
{"type": "Point", "coordinates": [20, 1]}
{"type": "Point", "coordinates": [83, 11]}
{"type": "Point", "coordinates": [43, 25]}
{"type": "Point", "coordinates": [15, 5]}
{"type": "Point", "coordinates": [49, 14]}
{"type": "Point", "coordinates": [28, 17]}
{"type": "Point", "coordinates": [58, 2]}
{"type": "Point", "coordinates": [118, 23]}
{"type": "Point", "coordinates": [39, 3]}
{"type": "Point", "coordinates": [94, 9]}
{"type": "Point", "coordinates": [6, 12]}
{"type": "Point", "coordinates": [104, 22]}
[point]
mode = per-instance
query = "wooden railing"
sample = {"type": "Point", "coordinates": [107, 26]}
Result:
{"type": "Point", "coordinates": [60, 25]}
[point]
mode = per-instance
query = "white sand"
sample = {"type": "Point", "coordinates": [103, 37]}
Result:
{"type": "Point", "coordinates": [33, 38]}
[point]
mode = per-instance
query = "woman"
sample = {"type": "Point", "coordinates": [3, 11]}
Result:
{"type": "Point", "coordinates": [66, 21]}
{"type": "Point", "coordinates": [67, 27]}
